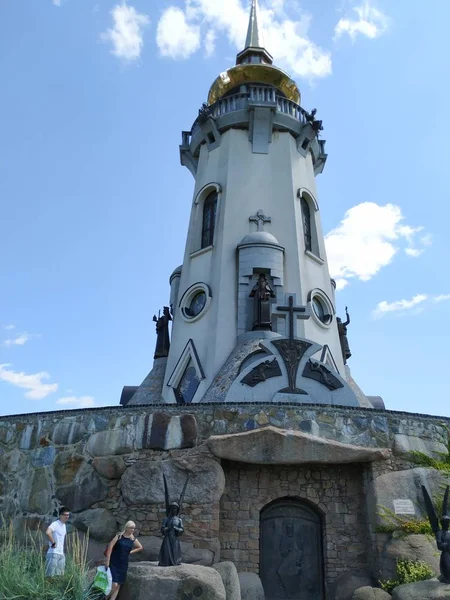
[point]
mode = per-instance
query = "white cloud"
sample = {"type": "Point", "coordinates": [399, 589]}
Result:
{"type": "Point", "coordinates": [57, 2]}
{"type": "Point", "coordinates": [418, 302]}
{"type": "Point", "coordinates": [369, 22]}
{"type": "Point", "coordinates": [366, 240]}
{"type": "Point", "coordinates": [34, 383]}
{"type": "Point", "coordinates": [285, 37]}
{"type": "Point", "coordinates": [126, 36]}
{"type": "Point", "coordinates": [176, 38]}
{"type": "Point", "coordinates": [9, 327]}
{"type": "Point", "coordinates": [414, 252]}
{"type": "Point", "coordinates": [20, 340]}
{"type": "Point", "coordinates": [77, 401]}
{"type": "Point", "coordinates": [399, 305]}
{"type": "Point", "coordinates": [210, 43]}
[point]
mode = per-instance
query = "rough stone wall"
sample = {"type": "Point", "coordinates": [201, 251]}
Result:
{"type": "Point", "coordinates": [336, 492]}
{"type": "Point", "coordinates": [106, 466]}
{"type": "Point", "coordinates": [359, 426]}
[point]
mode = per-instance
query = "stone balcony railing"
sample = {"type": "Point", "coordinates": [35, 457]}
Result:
{"type": "Point", "coordinates": [254, 96]}
{"type": "Point", "coordinates": [235, 111]}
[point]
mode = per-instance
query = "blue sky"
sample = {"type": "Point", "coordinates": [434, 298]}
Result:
{"type": "Point", "coordinates": [95, 206]}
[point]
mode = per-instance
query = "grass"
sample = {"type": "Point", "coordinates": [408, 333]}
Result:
{"type": "Point", "coordinates": [22, 569]}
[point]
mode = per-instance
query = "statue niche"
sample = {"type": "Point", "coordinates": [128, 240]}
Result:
{"type": "Point", "coordinates": [262, 310]}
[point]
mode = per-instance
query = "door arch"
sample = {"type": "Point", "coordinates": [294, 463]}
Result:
{"type": "Point", "coordinates": [291, 552]}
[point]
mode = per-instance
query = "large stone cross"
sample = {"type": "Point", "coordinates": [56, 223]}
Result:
{"type": "Point", "coordinates": [260, 219]}
{"type": "Point", "coordinates": [294, 313]}
{"type": "Point", "coordinates": [292, 350]}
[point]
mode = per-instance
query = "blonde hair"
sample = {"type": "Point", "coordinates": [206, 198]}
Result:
{"type": "Point", "coordinates": [126, 526]}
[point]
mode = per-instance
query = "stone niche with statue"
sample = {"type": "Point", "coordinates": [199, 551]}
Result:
{"type": "Point", "coordinates": [295, 494]}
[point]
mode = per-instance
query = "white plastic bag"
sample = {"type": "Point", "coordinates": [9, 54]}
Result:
{"type": "Point", "coordinates": [103, 580]}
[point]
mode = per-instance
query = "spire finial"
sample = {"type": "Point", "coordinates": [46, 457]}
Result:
{"type": "Point", "coordinates": [254, 36]}
{"type": "Point", "coordinates": [254, 51]}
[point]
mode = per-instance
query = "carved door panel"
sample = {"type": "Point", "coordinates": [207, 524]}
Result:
{"type": "Point", "coordinates": [291, 556]}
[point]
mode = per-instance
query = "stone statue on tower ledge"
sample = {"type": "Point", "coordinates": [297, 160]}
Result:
{"type": "Point", "coordinates": [342, 330]}
{"type": "Point", "coordinates": [162, 332]}
{"type": "Point", "coordinates": [262, 294]}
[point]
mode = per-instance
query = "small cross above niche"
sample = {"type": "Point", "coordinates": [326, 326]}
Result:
{"type": "Point", "coordinates": [260, 219]}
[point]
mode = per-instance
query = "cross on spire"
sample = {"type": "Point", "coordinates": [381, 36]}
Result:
{"type": "Point", "coordinates": [294, 313]}
{"type": "Point", "coordinates": [260, 219]}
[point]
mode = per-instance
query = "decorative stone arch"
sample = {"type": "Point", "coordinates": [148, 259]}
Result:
{"type": "Point", "coordinates": [303, 194]}
{"type": "Point", "coordinates": [292, 549]}
{"type": "Point", "coordinates": [199, 202]}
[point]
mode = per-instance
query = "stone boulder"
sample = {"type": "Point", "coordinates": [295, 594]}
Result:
{"type": "Point", "coordinates": [40, 498]}
{"type": "Point", "coordinates": [432, 589]}
{"type": "Point", "coordinates": [191, 555]}
{"type": "Point", "coordinates": [405, 484]}
{"type": "Point", "coordinates": [102, 524]}
{"type": "Point", "coordinates": [86, 490]}
{"type": "Point", "coordinates": [66, 467]}
{"type": "Point", "coordinates": [251, 586]}
{"type": "Point", "coordinates": [347, 583]}
{"type": "Point", "coordinates": [270, 445]}
{"type": "Point", "coordinates": [411, 547]}
{"type": "Point", "coordinates": [110, 467]}
{"type": "Point", "coordinates": [113, 441]}
{"type": "Point", "coordinates": [370, 593]}
{"type": "Point", "coordinates": [142, 483]}
{"type": "Point", "coordinates": [403, 444]}
{"type": "Point", "coordinates": [227, 570]}
{"type": "Point", "coordinates": [146, 580]}
{"type": "Point", "coordinates": [68, 431]}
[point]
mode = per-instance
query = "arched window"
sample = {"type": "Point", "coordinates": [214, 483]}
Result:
{"type": "Point", "coordinates": [209, 219]}
{"type": "Point", "coordinates": [306, 218]}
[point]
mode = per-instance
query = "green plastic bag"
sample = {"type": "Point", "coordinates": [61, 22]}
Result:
{"type": "Point", "coordinates": [102, 580]}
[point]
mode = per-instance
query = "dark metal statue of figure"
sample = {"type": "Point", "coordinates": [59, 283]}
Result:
{"type": "Point", "coordinates": [172, 528]}
{"type": "Point", "coordinates": [315, 123]}
{"type": "Point", "coordinates": [204, 113]}
{"type": "Point", "coordinates": [442, 533]}
{"type": "Point", "coordinates": [262, 293]}
{"type": "Point", "coordinates": [162, 332]}
{"type": "Point", "coordinates": [342, 330]}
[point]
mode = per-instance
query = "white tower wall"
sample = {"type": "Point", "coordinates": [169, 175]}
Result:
{"type": "Point", "coordinates": [249, 182]}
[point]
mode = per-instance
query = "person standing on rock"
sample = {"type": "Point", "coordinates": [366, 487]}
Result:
{"type": "Point", "coordinates": [117, 556]}
{"type": "Point", "coordinates": [55, 560]}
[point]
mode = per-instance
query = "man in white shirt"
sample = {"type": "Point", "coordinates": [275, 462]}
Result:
{"type": "Point", "coordinates": [55, 561]}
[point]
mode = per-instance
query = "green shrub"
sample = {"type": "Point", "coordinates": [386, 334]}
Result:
{"type": "Point", "coordinates": [404, 525]}
{"type": "Point", "coordinates": [22, 569]}
{"type": "Point", "coordinates": [408, 571]}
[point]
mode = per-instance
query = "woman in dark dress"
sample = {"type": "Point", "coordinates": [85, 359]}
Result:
{"type": "Point", "coordinates": [121, 546]}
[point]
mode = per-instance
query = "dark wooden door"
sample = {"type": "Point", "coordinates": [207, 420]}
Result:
{"type": "Point", "coordinates": [291, 555]}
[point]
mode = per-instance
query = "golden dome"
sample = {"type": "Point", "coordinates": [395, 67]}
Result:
{"type": "Point", "coordinates": [253, 73]}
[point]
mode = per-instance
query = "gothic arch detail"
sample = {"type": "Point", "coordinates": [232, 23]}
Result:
{"type": "Point", "coordinates": [207, 203]}
{"type": "Point", "coordinates": [309, 209]}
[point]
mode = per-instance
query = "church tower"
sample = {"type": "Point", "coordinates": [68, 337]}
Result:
{"type": "Point", "coordinates": [253, 305]}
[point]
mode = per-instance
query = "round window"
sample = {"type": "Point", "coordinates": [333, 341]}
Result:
{"type": "Point", "coordinates": [196, 305]}
{"type": "Point", "coordinates": [322, 311]}
{"type": "Point", "coordinates": [195, 302]}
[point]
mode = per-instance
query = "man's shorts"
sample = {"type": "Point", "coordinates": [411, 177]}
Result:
{"type": "Point", "coordinates": [54, 564]}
